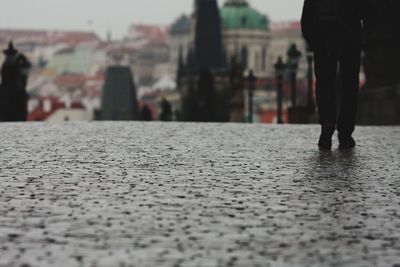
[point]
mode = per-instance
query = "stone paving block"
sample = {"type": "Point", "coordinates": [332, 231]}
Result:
{"type": "Point", "coordinates": [170, 194]}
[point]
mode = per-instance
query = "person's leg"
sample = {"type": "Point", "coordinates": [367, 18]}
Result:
{"type": "Point", "coordinates": [350, 70]}
{"type": "Point", "coordinates": [325, 72]}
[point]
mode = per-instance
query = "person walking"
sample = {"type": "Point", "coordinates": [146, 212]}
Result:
{"type": "Point", "coordinates": [333, 31]}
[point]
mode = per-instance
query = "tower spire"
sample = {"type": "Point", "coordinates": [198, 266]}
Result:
{"type": "Point", "coordinates": [208, 50]}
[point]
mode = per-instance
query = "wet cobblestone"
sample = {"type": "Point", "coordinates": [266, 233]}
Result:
{"type": "Point", "coordinates": [152, 194]}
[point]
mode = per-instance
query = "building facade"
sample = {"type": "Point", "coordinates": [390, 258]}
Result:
{"type": "Point", "coordinates": [150, 45]}
{"type": "Point", "coordinates": [180, 41]}
{"type": "Point", "coordinates": [283, 35]}
{"type": "Point", "coordinates": [73, 60]}
{"type": "Point", "coordinates": [246, 35]}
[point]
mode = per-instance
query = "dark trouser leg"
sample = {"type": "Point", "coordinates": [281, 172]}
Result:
{"type": "Point", "coordinates": [325, 72]}
{"type": "Point", "coordinates": [350, 70]}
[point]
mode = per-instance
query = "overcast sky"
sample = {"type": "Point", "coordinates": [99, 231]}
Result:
{"type": "Point", "coordinates": [116, 15]}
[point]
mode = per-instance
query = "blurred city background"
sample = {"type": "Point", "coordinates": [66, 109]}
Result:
{"type": "Point", "coordinates": [184, 60]}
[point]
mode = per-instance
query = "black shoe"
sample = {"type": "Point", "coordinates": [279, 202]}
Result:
{"type": "Point", "coordinates": [346, 142]}
{"type": "Point", "coordinates": [325, 140]}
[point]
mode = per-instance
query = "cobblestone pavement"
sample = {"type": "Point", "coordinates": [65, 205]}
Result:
{"type": "Point", "coordinates": [136, 194]}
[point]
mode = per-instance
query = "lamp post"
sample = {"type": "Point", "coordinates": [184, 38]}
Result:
{"type": "Point", "coordinates": [310, 98]}
{"type": "Point", "coordinates": [237, 83]}
{"type": "Point", "coordinates": [280, 68]}
{"type": "Point", "coordinates": [294, 56]}
{"type": "Point", "coordinates": [251, 86]}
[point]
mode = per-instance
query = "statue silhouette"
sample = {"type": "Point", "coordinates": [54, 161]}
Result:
{"type": "Point", "coordinates": [333, 31]}
{"type": "Point", "coordinates": [145, 113]}
{"type": "Point", "coordinates": [206, 96]}
{"type": "Point", "coordinates": [13, 96]}
{"type": "Point", "coordinates": [166, 110]}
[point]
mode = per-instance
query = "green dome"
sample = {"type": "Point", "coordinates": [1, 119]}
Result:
{"type": "Point", "coordinates": [237, 14]}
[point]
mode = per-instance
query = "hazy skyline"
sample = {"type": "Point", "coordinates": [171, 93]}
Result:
{"type": "Point", "coordinates": [116, 16]}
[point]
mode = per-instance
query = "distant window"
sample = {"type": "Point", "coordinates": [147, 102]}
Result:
{"type": "Point", "coordinates": [244, 55]}
{"type": "Point", "coordinates": [257, 60]}
{"type": "Point", "coordinates": [244, 21]}
{"type": "Point", "coordinates": [264, 59]}
{"type": "Point", "coordinates": [264, 21]}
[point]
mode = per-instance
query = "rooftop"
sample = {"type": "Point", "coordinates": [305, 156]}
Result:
{"type": "Point", "coordinates": [181, 26]}
{"type": "Point", "coordinates": [145, 34]}
{"type": "Point", "coordinates": [48, 36]}
{"type": "Point", "coordinates": [238, 14]}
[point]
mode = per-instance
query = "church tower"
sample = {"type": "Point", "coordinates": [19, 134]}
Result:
{"type": "Point", "coordinates": [119, 102]}
{"type": "Point", "coordinates": [208, 48]}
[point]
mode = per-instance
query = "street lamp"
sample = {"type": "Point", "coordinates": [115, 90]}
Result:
{"type": "Point", "coordinates": [237, 83]}
{"type": "Point", "coordinates": [280, 68]}
{"type": "Point", "coordinates": [294, 56]}
{"type": "Point", "coordinates": [251, 86]}
{"type": "Point", "coordinates": [310, 98]}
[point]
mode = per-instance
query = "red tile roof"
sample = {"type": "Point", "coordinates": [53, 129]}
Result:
{"type": "Point", "coordinates": [38, 114]}
{"type": "Point", "coordinates": [48, 37]}
{"type": "Point", "coordinates": [70, 80]}
{"type": "Point", "coordinates": [151, 33]}
{"type": "Point", "coordinates": [286, 26]}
